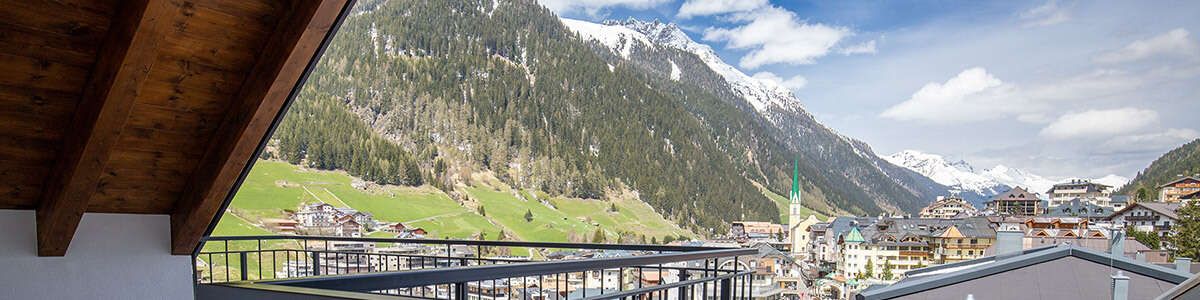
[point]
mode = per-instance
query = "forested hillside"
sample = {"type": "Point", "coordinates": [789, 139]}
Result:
{"type": "Point", "coordinates": [415, 92]}
{"type": "Point", "coordinates": [1184, 160]}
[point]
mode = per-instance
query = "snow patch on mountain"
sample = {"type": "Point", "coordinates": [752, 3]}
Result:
{"type": "Point", "coordinates": [620, 39]}
{"type": "Point", "coordinates": [675, 72]}
{"type": "Point", "coordinates": [617, 35]}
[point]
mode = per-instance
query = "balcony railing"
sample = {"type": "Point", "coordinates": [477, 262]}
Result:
{"type": "Point", "coordinates": [371, 268]}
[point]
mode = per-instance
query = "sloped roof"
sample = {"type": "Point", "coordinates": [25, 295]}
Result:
{"type": "Point", "coordinates": [1164, 208]}
{"type": "Point", "coordinates": [1016, 193]}
{"type": "Point", "coordinates": [1063, 272]}
{"type": "Point", "coordinates": [1187, 178]}
{"type": "Point", "coordinates": [1080, 208]}
{"type": "Point", "coordinates": [855, 235]}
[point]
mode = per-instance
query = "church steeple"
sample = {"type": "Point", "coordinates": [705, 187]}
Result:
{"type": "Point", "coordinates": [794, 196]}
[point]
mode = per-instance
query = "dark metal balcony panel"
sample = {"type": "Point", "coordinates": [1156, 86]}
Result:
{"type": "Point", "coordinates": [238, 291]}
{"type": "Point", "coordinates": [555, 245]}
{"type": "Point", "coordinates": [405, 279]}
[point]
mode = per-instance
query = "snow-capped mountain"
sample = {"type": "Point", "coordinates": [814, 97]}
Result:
{"type": "Point", "coordinates": [987, 182]}
{"type": "Point", "coordinates": [958, 175]}
{"type": "Point", "coordinates": [623, 36]}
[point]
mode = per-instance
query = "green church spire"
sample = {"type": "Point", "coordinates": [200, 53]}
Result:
{"type": "Point", "coordinates": [795, 194]}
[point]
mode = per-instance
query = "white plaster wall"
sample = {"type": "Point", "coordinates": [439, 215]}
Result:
{"type": "Point", "coordinates": [113, 256]}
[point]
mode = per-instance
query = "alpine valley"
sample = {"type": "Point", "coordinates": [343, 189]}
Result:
{"type": "Point", "coordinates": [457, 94]}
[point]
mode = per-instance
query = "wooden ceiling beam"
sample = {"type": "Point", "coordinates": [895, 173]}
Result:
{"type": "Point", "coordinates": [280, 65]}
{"type": "Point", "coordinates": [122, 66]}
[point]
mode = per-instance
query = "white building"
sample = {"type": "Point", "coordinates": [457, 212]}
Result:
{"type": "Point", "coordinates": [1157, 217]}
{"type": "Point", "coordinates": [1092, 192]}
{"type": "Point", "coordinates": [948, 208]}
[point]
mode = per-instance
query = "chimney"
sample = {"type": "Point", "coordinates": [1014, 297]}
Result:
{"type": "Point", "coordinates": [1120, 286]}
{"type": "Point", "coordinates": [1009, 240]}
{"type": "Point", "coordinates": [1183, 264]}
{"type": "Point", "coordinates": [1116, 246]}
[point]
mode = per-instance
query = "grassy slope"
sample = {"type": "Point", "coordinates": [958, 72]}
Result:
{"type": "Point", "coordinates": [274, 186]}
{"type": "Point", "coordinates": [783, 204]}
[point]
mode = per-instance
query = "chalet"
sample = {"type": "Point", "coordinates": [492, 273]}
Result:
{"type": "Point", "coordinates": [948, 208]}
{"type": "Point", "coordinates": [1016, 202]}
{"type": "Point", "coordinates": [1095, 193]}
{"type": "Point", "coordinates": [1154, 217]}
{"type": "Point", "coordinates": [1172, 191]}
{"type": "Point", "coordinates": [395, 228]}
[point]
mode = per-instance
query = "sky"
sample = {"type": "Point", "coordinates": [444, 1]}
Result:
{"type": "Point", "coordinates": [1057, 88]}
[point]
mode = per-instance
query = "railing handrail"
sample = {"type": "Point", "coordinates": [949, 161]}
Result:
{"type": "Point", "coordinates": [428, 277]}
{"type": "Point", "coordinates": [556, 245]}
{"type": "Point", "coordinates": [655, 288]}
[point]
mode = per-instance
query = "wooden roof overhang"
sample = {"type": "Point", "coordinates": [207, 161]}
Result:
{"type": "Point", "coordinates": [144, 106]}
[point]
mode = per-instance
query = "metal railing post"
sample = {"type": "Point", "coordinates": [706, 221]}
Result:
{"type": "Point", "coordinates": [316, 263]}
{"type": "Point", "coordinates": [726, 289]}
{"type": "Point", "coordinates": [245, 269]}
{"type": "Point", "coordinates": [460, 290]}
{"type": "Point", "coordinates": [683, 290]}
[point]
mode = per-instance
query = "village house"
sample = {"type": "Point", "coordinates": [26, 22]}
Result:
{"type": "Point", "coordinates": [1086, 190]}
{"type": "Point", "coordinates": [948, 208]}
{"type": "Point", "coordinates": [744, 231]}
{"type": "Point", "coordinates": [1156, 217]}
{"type": "Point", "coordinates": [1016, 202]}
{"type": "Point", "coordinates": [325, 219]}
{"type": "Point", "coordinates": [898, 245]}
{"type": "Point", "coordinates": [1173, 191]}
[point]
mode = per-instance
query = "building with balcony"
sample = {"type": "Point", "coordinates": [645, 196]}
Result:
{"type": "Point", "coordinates": [1016, 202]}
{"type": "Point", "coordinates": [1156, 217]}
{"type": "Point", "coordinates": [948, 207]}
{"type": "Point", "coordinates": [1086, 190]}
{"type": "Point", "coordinates": [1174, 190]}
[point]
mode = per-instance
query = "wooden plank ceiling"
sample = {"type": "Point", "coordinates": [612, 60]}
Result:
{"type": "Point", "coordinates": [142, 106]}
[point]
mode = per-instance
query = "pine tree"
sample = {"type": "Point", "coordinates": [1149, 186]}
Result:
{"type": "Point", "coordinates": [1186, 236]}
{"type": "Point", "coordinates": [598, 236]}
{"type": "Point", "coordinates": [887, 270]}
{"type": "Point", "coordinates": [869, 270]}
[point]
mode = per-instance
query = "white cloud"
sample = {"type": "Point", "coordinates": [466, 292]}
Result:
{"type": "Point", "coordinates": [594, 7]}
{"type": "Point", "coordinates": [1100, 123]}
{"type": "Point", "coordinates": [867, 47]}
{"type": "Point", "coordinates": [795, 83]}
{"type": "Point", "coordinates": [696, 8]}
{"type": "Point", "coordinates": [1155, 142]}
{"type": "Point", "coordinates": [974, 94]}
{"type": "Point", "coordinates": [1176, 43]}
{"type": "Point", "coordinates": [775, 35]}
{"type": "Point", "coordinates": [1045, 15]}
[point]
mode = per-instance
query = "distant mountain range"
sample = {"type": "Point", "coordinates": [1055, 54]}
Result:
{"type": "Point", "coordinates": [977, 185]}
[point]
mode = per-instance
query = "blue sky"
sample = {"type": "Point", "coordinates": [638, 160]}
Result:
{"type": "Point", "coordinates": [1058, 88]}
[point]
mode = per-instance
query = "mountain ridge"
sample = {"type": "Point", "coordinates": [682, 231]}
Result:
{"type": "Point", "coordinates": [977, 184]}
